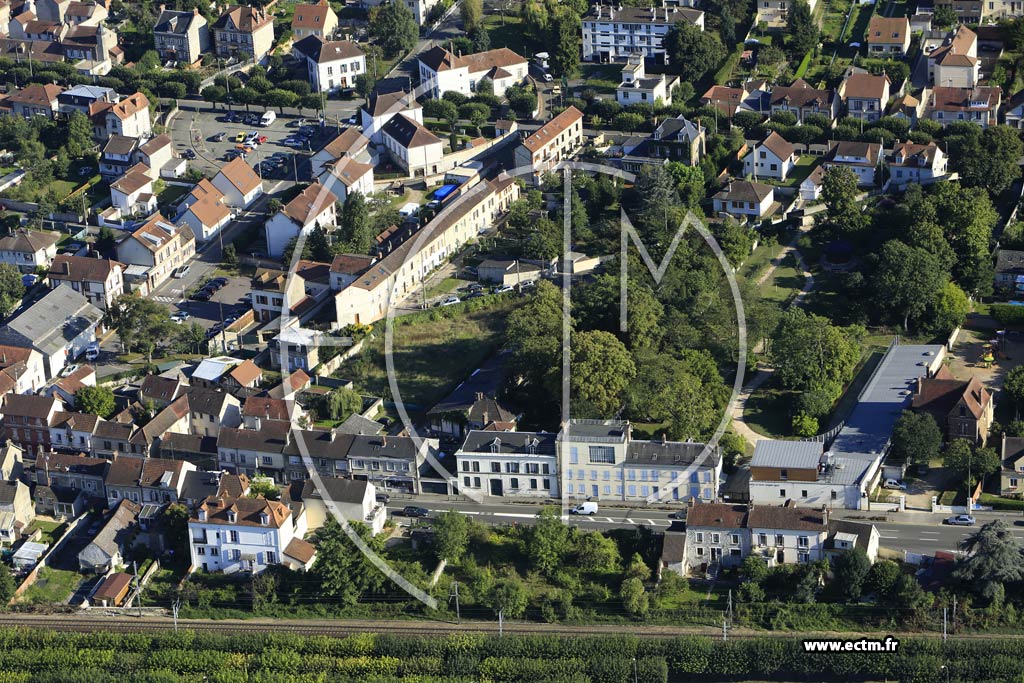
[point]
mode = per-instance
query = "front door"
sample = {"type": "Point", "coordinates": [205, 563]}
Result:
{"type": "Point", "coordinates": [496, 489]}
{"type": "Point", "coordinates": [716, 554]}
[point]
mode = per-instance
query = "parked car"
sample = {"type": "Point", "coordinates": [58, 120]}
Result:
{"type": "Point", "coordinates": [93, 351]}
{"type": "Point", "coordinates": [475, 294]}
{"type": "Point", "coordinates": [68, 369]}
{"type": "Point", "coordinates": [451, 301]}
{"type": "Point", "coordinates": [85, 171]}
{"type": "Point", "coordinates": [189, 154]}
{"type": "Point", "coordinates": [413, 511]}
{"type": "Point", "coordinates": [678, 514]}
{"type": "Point", "coordinates": [180, 316]}
{"type": "Point", "coordinates": [547, 78]}
{"type": "Point", "coordinates": [219, 137]}
{"type": "Point", "coordinates": [202, 295]}
{"type": "Point", "coordinates": [960, 520]}
{"type": "Point", "coordinates": [587, 508]}
{"type": "Point", "coordinates": [240, 137]}
{"type": "Point", "coordinates": [182, 271]}
{"type": "Point", "coordinates": [383, 498]}
{"type": "Point", "coordinates": [504, 288]}
{"type": "Point", "coordinates": [220, 281]}
{"type": "Point", "coordinates": [894, 484]}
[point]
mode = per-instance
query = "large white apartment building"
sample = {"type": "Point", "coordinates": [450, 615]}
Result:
{"type": "Point", "coordinates": [509, 464]}
{"type": "Point", "coordinates": [442, 71]}
{"type": "Point", "coordinates": [615, 33]}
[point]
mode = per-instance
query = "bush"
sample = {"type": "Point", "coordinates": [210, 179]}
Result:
{"type": "Point", "coordinates": [1000, 503]}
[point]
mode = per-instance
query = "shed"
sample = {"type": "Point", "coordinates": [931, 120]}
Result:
{"type": "Point", "coordinates": [112, 590]}
{"type": "Point", "coordinates": [28, 554]}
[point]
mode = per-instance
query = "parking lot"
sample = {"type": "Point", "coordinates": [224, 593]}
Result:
{"type": "Point", "coordinates": [199, 131]}
{"type": "Point", "coordinates": [228, 301]}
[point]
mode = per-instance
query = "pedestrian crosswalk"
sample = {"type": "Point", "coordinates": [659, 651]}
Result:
{"type": "Point", "coordinates": [167, 299]}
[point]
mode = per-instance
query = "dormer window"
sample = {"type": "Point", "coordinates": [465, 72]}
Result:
{"type": "Point", "coordinates": [232, 516]}
{"type": "Point", "coordinates": [202, 514]}
{"type": "Point", "coordinates": [264, 518]}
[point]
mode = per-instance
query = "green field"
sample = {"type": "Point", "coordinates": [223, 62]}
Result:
{"type": "Point", "coordinates": [433, 354]}
{"type": "Point", "coordinates": [52, 586]}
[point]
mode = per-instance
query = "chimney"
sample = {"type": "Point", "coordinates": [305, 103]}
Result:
{"type": "Point", "coordinates": [664, 438]}
{"type": "Point", "coordinates": [162, 7]}
{"type": "Point", "coordinates": [332, 435]}
{"type": "Point", "coordinates": [384, 440]}
{"type": "Point", "coordinates": [824, 515]}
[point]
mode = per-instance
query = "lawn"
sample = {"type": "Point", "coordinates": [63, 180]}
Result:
{"type": "Point", "coordinates": [433, 354]}
{"type": "Point", "coordinates": [171, 194]}
{"type": "Point", "coordinates": [603, 78]}
{"type": "Point", "coordinates": [767, 411]}
{"type": "Point", "coordinates": [52, 586]}
{"type": "Point", "coordinates": [51, 530]}
{"type": "Point", "coordinates": [508, 34]}
{"type": "Point", "coordinates": [443, 287]}
{"type": "Point", "coordinates": [803, 167]}
{"type": "Point", "coordinates": [784, 283]}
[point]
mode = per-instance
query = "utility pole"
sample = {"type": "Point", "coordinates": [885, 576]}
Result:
{"type": "Point", "coordinates": [455, 594]}
{"type": "Point", "coordinates": [138, 586]}
{"type": "Point", "coordinates": [728, 613]}
{"type": "Point", "coordinates": [175, 606]}
{"type": "Point", "coordinates": [954, 614]}
{"type": "Point", "coordinates": [944, 635]}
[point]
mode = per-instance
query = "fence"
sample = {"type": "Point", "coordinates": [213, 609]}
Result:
{"type": "Point", "coordinates": [329, 366]}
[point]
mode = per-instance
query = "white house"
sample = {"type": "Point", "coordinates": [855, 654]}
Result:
{"type": "Point", "coordinates": [331, 65]}
{"type": "Point", "coordinates": [442, 71]}
{"type": "Point", "coordinates": [715, 533]}
{"type": "Point", "coordinates": [128, 116]}
{"type": "Point", "coordinates": [786, 535]}
{"type": "Point", "coordinates": [313, 207]}
{"type": "Point", "coordinates": [860, 157]}
{"type": "Point", "coordinates": [810, 187]}
{"type": "Point", "coordinates": [773, 158]}
{"type": "Point", "coordinates": [350, 142]}
{"type": "Point", "coordinates": [231, 534]}
{"type": "Point", "coordinates": [205, 211]}
{"type": "Point", "coordinates": [132, 194]}
{"type": "Point", "coordinates": [554, 141]}
{"type": "Point", "coordinates": [639, 88]}
{"type": "Point", "coordinates": [509, 464]}
{"type": "Point", "coordinates": [315, 19]}
{"type": "Point", "coordinates": [29, 250]}
{"type": "Point", "coordinates": [353, 499]}
{"type": "Point", "coordinates": [745, 199]}
{"type": "Point", "coordinates": [914, 163]}
{"type": "Point", "coordinates": [239, 183]}
{"type": "Point", "coordinates": [381, 107]}
{"type": "Point", "coordinates": [159, 247]}
{"type": "Point", "coordinates": [100, 280]}
{"type": "Point", "coordinates": [346, 175]}
{"type": "Point", "coordinates": [888, 36]}
{"type": "Point", "coordinates": [412, 146]}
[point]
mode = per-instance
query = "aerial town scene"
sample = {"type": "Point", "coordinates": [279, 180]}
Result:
{"type": "Point", "coordinates": [512, 341]}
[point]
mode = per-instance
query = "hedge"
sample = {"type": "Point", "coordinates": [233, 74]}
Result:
{"type": "Point", "coordinates": [99, 657]}
{"type": "Point", "coordinates": [1007, 314]}
{"type": "Point", "coordinates": [1000, 503]}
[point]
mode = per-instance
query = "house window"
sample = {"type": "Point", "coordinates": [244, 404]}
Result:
{"type": "Point", "coordinates": [803, 493]}
{"type": "Point", "coordinates": [716, 538]}
{"type": "Point", "coordinates": [495, 467]}
{"type": "Point", "coordinates": [513, 482]}
{"type": "Point", "coordinates": [734, 552]}
{"type": "Point", "coordinates": [802, 542]}
{"type": "Point", "coordinates": [271, 557]}
{"type": "Point", "coordinates": [734, 539]}
{"type": "Point", "coordinates": [200, 550]}
{"type": "Point", "coordinates": [699, 536]}
{"type": "Point", "coordinates": [465, 480]}
{"type": "Point", "coordinates": [602, 454]}
{"type": "Point", "coordinates": [762, 539]}
{"type": "Point", "coordinates": [268, 460]}
{"type": "Point", "coordinates": [215, 552]}
{"type": "Point", "coordinates": [783, 475]}
{"type": "Point", "coordinates": [782, 493]}
{"type": "Point", "coordinates": [779, 540]}
{"type": "Point", "coordinates": [233, 536]}
{"type": "Point", "coordinates": [700, 552]}
{"type": "Point", "coordinates": [803, 557]}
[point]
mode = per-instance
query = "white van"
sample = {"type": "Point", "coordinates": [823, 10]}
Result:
{"type": "Point", "coordinates": [268, 118]}
{"type": "Point", "coordinates": [584, 509]}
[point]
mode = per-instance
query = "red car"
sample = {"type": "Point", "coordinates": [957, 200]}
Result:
{"type": "Point", "coordinates": [261, 139]}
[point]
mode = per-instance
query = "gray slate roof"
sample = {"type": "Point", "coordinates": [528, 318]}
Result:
{"type": "Point", "coordinates": [51, 322]}
{"type": "Point", "coordinates": [479, 441]}
{"type": "Point", "coordinates": [780, 453]}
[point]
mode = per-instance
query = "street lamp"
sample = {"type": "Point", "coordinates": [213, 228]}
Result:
{"type": "Point", "coordinates": [636, 673]}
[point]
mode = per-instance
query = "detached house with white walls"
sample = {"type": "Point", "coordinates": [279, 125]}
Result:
{"type": "Point", "coordinates": [331, 65]}
{"type": "Point", "coordinates": [316, 19]}
{"type": "Point", "coordinates": [412, 146]}
{"type": "Point", "coordinates": [100, 280]}
{"type": "Point", "coordinates": [639, 88]}
{"type": "Point", "coordinates": [205, 211]}
{"type": "Point", "coordinates": [865, 95]}
{"type": "Point", "coordinates": [239, 183]}
{"type": "Point", "coordinates": [380, 109]}
{"type": "Point", "coordinates": [744, 199]}
{"type": "Point", "coordinates": [509, 464]}
{"type": "Point", "coordinates": [862, 158]}
{"type": "Point", "coordinates": [314, 207]}
{"type": "Point", "coordinates": [244, 32]}
{"type": "Point", "coordinates": [159, 247]}
{"type": "Point", "coordinates": [773, 158]}
{"type": "Point", "coordinates": [888, 36]}
{"type": "Point", "coordinates": [442, 71]}
{"type": "Point", "coordinates": [128, 116]}
{"type": "Point", "coordinates": [978, 105]}
{"type": "Point", "coordinates": [28, 250]}
{"type": "Point", "coordinates": [914, 163]}
{"type": "Point", "coordinates": [345, 176]}
{"type": "Point", "coordinates": [238, 534]}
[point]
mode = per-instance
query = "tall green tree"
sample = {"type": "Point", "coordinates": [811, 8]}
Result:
{"type": "Point", "coordinates": [79, 136]}
{"type": "Point", "coordinates": [394, 28]}
{"type": "Point", "coordinates": [342, 402]}
{"type": "Point", "coordinates": [142, 324]}
{"type": "Point", "coordinates": [993, 557]}
{"type": "Point", "coordinates": [694, 52]}
{"type": "Point", "coordinates": [12, 289]}
{"type": "Point", "coordinates": [802, 30]}
{"type": "Point", "coordinates": [595, 552]}
{"type": "Point", "coordinates": [601, 368]}
{"type": "Point", "coordinates": [533, 334]}
{"type": "Point", "coordinates": [851, 570]}
{"type": "Point", "coordinates": [564, 27]}
{"type": "Point", "coordinates": [549, 541]}
{"type": "Point", "coordinates": [964, 460]}
{"type": "Point", "coordinates": [882, 579]}
{"type": "Point", "coordinates": [356, 228]}
{"type": "Point", "coordinates": [808, 352]}
{"type": "Point", "coordinates": [509, 598]}
{"type": "Point", "coordinates": [991, 160]}
{"type": "Point", "coordinates": [472, 12]}
{"type": "Point", "coordinates": [916, 438]}
{"type": "Point", "coordinates": [1013, 386]}
{"type": "Point", "coordinates": [96, 401]}
{"type": "Point", "coordinates": [343, 572]}
{"type": "Point", "coordinates": [907, 281]}
{"type": "Point", "coordinates": [451, 535]}
{"type": "Point", "coordinates": [839, 193]}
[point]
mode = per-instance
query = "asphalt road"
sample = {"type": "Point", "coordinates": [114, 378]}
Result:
{"type": "Point", "coordinates": [913, 532]}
